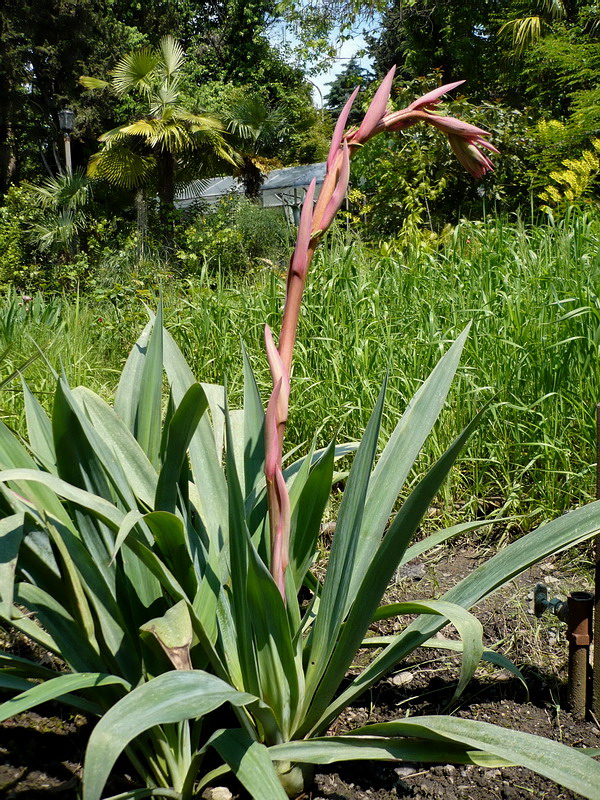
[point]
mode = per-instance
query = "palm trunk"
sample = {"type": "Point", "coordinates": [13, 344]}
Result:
{"type": "Point", "coordinates": [166, 195]}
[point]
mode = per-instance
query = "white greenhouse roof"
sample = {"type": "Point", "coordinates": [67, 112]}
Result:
{"type": "Point", "coordinates": [282, 187]}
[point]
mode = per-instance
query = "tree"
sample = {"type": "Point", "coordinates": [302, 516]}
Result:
{"type": "Point", "coordinates": [257, 130]}
{"type": "Point", "coordinates": [455, 38]}
{"type": "Point", "coordinates": [342, 87]}
{"type": "Point", "coordinates": [169, 144]}
{"type": "Point", "coordinates": [44, 47]}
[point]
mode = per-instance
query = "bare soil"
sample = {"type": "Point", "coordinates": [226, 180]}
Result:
{"type": "Point", "coordinates": [41, 753]}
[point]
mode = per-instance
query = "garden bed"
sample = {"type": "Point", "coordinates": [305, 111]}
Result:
{"type": "Point", "coordinates": [41, 753]}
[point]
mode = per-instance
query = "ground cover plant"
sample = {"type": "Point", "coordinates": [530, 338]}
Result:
{"type": "Point", "coordinates": [172, 587]}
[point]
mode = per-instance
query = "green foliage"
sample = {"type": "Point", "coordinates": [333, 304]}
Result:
{"type": "Point", "coordinates": [236, 236]}
{"type": "Point", "coordinates": [448, 36]}
{"type": "Point", "coordinates": [576, 181]}
{"type": "Point", "coordinates": [20, 313]}
{"type": "Point", "coordinates": [39, 67]}
{"type": "Point", "coordinates": [13, 248]}
{"type": "Point", "coordinates": [126, 561]}
{"type": "Point", "coordinates": [55, 236]}
{"type": "Point", "coordinates": [519, 282]}
{"type": "Point", "coordinates": [415, 180]}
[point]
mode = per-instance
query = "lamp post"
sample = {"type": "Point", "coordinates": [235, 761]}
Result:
{"type": "Point", "coordinates": [66, 122]}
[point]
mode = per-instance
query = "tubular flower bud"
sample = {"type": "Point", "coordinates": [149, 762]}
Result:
{"type": "Point", "coordinates": [376, 110]}
{"type": "Point", "coordinates": [280, 551]}
{"type": "Point", "coordinates": [341, 187]}
{"type": "Point", "coordinates": [338, 133]}
{"type": "Point", "coordinates": [299, 262]}
{"type": "Point", "coordinates": [470, 156]}
{"type": "Point", "coordinates": [272, 449]}
{"type": "Point", "coordinates": [431, 99]}
{"type": "Point", "coordinates": [452, 125]}
{"type": "Point", "coordinates": [279, 376]}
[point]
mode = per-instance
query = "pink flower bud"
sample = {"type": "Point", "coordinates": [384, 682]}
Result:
{"type": "Point", "coordinates": [451, 125]}
{"type": "Point", "coordinates": [272, 435]}
{"type": "Point", "coordinates": [279, 375]}
{"type": "Point", "coordinates": [376, 110]}
{"type": "Point", "coordinates": [433, 98]}
{"type": "Point", "coordinates": [299, 262]}
{"type": "Point", "coordinates": [472, 159]}
{"type": "Point", "coordinates": [341, 187]}
{"type": "Point", "coordinates": [339, 129]}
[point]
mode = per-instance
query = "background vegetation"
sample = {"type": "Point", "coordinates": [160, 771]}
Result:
{"type": "Point", "coordinates": [515, 253]}
{"type": "Point", "coordinates": [532, 349]}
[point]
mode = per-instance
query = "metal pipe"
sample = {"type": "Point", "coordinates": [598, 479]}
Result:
{"type": "Point", "coordinates": [576, 611]}
{"type": "Point", "coordinates": [579, 636]}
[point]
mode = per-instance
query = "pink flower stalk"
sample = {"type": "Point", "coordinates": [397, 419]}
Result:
{"type": "Point", "coordinates": [465, 140]}
{"type": "Point", "coordinates": [278, 499]}
{"type": "Point", "coordinates": [296, 279]}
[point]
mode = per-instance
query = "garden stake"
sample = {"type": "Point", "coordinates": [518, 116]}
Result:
{"type": "Point", "coordinates": [596, 636]}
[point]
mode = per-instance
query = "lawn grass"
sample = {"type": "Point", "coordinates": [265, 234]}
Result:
{"type": "Point", "coordinates": [531, 293]}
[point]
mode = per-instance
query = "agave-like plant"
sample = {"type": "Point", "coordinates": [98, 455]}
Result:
{"type": "Point", "coordinates": [165, 561]}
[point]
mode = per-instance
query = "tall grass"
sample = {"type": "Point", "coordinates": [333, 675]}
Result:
{"type": "Point", "coordinates": [532, 294]}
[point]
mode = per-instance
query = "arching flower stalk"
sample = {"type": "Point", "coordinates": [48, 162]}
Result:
{"type": "Point", "coordinates": [465, 140]}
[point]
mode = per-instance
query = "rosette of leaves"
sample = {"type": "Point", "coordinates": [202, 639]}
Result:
{"type": "Point", "coordinates": [134, 547]}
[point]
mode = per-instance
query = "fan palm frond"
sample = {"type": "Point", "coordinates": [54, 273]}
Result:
{"type": "Point", "coordinates": [113, 135]}
{"type": "Point", "coordinates": [93, 83]}
{"type": "Point", "coordinates": [523, 32]}
{"type": "Point", "coordinates": [193, 189]}
{"type": "Point", "coordinates": [166, 96]}
{"type": "Point", "coordinates": [69, 191]}
{"type": "Point", "coordinates": [556, 8]}
{"type": "Point", "coordinates": [58, 230]}
{"type": "Point", "coordinates": [200, 121]}
{"type": "Point", "coordinates": [122, 167]}
{"type": "Point", "coordinates": [250, 119]}
{"type": "Point", "coordinates": [141, 127]}
{"type": "Point", "coordinates": [136, 72]}
{"type": "Point", "coordinates": [172, 56]}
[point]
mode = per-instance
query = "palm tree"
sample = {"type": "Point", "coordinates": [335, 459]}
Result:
{"type": "Point", "coordinates": [169, 145]}
{"type": "Point", "coordinates": [527, 30]}
{"type": "Point", "coordinates": [63, 218]}
{"type": "Point", "coordinates": [257, 131]}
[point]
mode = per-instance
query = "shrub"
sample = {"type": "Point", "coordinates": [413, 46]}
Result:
{"type": "Point", "coordinates": [235, 236]}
